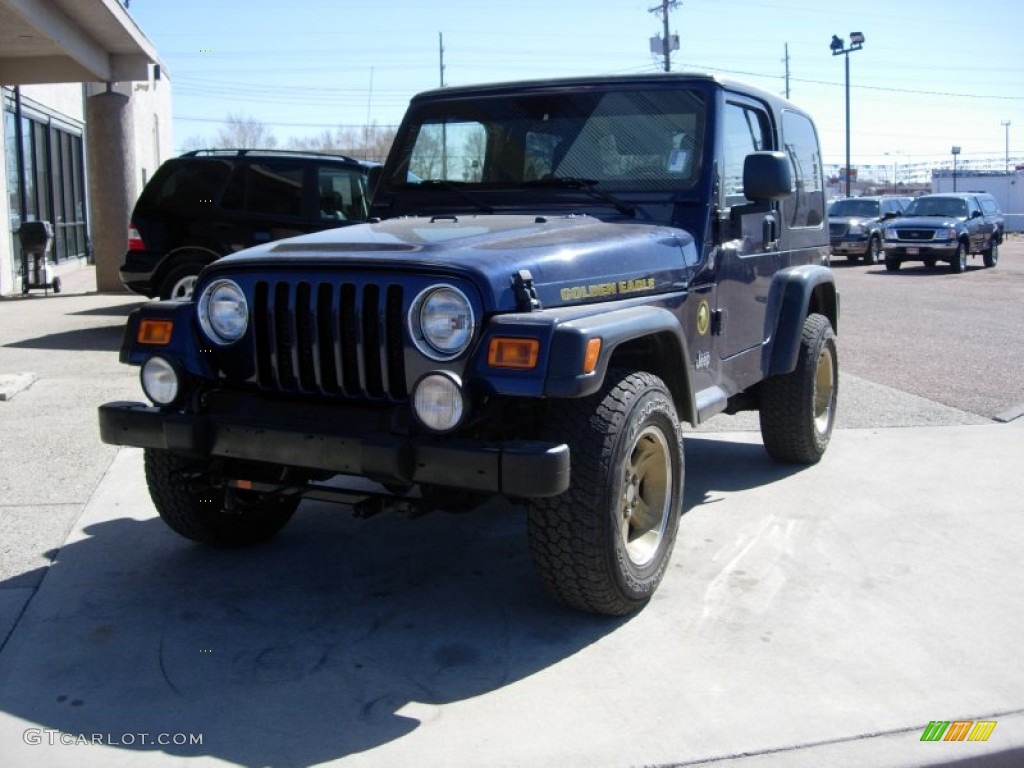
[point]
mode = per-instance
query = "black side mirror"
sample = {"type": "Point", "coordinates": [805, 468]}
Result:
{"type": "Point", "coordinates": [766, 176]}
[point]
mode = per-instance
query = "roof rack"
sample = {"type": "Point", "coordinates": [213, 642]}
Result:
{"type": "Point", "coordinates": [255, 151]}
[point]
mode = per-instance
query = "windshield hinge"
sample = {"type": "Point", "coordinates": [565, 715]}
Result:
{"type": "Point", "coordinates": [526, 294]}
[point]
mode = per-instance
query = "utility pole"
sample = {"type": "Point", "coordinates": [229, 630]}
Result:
{"type": "Point", "coordinates": [786, 60]}
{"type": "Point", "coordinates": [666, 40]}
{"type": "Point", "coordinates": [1006, 125]}
{"type": "Point", "coordinates": [440, 54]}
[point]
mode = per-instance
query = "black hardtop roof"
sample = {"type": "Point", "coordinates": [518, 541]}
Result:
{"type": "Point", "coordinates": [649, 78]}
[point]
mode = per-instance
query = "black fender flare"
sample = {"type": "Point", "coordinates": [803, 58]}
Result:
{"type": "Point", "coordinates": [618, 329]}
{"type": "Point", "coordinates": [795, 293]}
{"type": "Point", "coordinates": [193, 254]}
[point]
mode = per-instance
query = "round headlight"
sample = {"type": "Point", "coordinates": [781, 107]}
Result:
{"type": "Point", "coordinates": [223, 312]}
{"type": "Point", "coordinates": [160, 381]}
{"type": "Point", "coordinates": [438, 401]}
{"type": "Point", "coordinates": [441, 322]}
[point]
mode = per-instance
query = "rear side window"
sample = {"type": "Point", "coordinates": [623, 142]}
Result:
{"type": "Point", "coordinates": [342, 194]}
{"type": "Point", "coordinates": [989, 206]}
{"type": "Point", "coordinates": [188, 186]}
{"type": "Point", "coordinates": [806, 206]}
{"type": "Point", "coordinates": [266, 188]}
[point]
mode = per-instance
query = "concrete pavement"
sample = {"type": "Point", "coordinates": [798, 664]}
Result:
{"type": "Point", "coordinates": [811, 617]}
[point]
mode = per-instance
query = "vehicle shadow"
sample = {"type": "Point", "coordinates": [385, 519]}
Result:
{"type": "Point", "coordinates": [105, 338]}
{"type": "Point", "coordinates": [339, 637]}
{"type": "Point", "coordinates": [726, 465]}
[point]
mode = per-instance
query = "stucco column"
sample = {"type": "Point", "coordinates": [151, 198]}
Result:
{"type": "Point", "coordinates": [110, 149]}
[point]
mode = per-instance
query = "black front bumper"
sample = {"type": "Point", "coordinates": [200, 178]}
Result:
{"type": "Point", "coordinates": [523, 468]}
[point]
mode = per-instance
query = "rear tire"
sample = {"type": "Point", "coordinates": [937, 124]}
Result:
{"type": "Point", "coordinates": [187, 501]}
{"type": "Point", "coordinates": [798, 409]}
{"type": "Point", "coordinates": [991, 254]}
{"type": "Point", "coordinates": [603, 546]}
{"type": "Point", "coordinates": [179, 283]}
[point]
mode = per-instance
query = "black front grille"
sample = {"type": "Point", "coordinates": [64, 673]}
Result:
{"type": "Point", "coordinates": [328, 338]}
{"type": "Point", "coordinates": [915, 234]}
{"type": "Point", "coordinates": [837, 230]}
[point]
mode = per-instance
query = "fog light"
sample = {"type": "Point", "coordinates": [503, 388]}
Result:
{"type": "Point", "coordinates": [438, 401]}
{"type": "Point", "coordinates": [160, 381]}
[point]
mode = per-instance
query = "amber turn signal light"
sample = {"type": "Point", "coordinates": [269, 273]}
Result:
{"type": "Point", "coordinates": [593, 353]}
{"type": "Point", "coordinates": [513, 353]}
{"type": "Point", "coordinates": [157, 332]}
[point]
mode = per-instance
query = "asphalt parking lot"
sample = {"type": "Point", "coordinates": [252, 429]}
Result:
{"type": "Point", "coordinates": [812, 617]}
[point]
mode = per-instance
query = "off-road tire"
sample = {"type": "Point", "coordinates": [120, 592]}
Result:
{"type": "Point", "coordinates": [193, 508]}
{"type": "Point", "coordinates": [958, 263]}
{"type": "Point", "coordinates": [798, 409]}
{"type": "Point", "coordinates": [892, 263]}
{"type": "Point", "coordinates": [991, 254]}
{"type": "Point", "coordinates": [603, 546]}
{"type": "Point", "coordinates": [874, 253]}
{"type": "Point", "coordinates": [178, 282]}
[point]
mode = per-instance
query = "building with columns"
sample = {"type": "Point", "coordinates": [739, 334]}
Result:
{"type": "Point", "coordinates": [86, 121]}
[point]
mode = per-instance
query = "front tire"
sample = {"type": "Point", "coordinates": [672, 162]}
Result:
{"type": "Point", "coordinates": [603, 546]}
{"type": "Point", "coordinates": [874, 252]}
{"type": "Point", "coordinates": [959, 261]}
{"type": "Point", "coordinates": [192, 507]}
{"type": "Point", "coordinates": [798, 409]}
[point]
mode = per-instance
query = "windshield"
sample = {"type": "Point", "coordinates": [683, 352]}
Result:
{"type": "Point", "coordinates": [865, 209]}
{"type": "Point", "coordinates": [620, 140]}
{"type": "Point", "coordinates": [948, 207]}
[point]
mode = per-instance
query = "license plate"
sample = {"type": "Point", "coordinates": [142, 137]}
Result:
{"type": "Point", "coordinates": [913, 251]}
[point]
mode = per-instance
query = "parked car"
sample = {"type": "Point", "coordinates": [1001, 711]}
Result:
{"type": "Point", "coordinates": [946, 227]}
{"type": "Point", "coordinates": [209, 203]}
{"type": "Point", "coordinates": [855, 225]}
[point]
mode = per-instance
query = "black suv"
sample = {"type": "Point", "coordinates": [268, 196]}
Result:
{"type": "Point", "coordinates": [855, 225]}
{"type": "Point", "coordinates": [209, 203]}
{"type": "Point", "coordinates": [555, 275]}
{"type": "Point", "coordinates": [945, 227]}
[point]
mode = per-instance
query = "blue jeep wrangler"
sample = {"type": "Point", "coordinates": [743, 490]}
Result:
{"type": "Point", "coordinates": [555, 274]}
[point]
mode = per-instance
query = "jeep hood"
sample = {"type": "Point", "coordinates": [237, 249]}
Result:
{"type": "Point", "coordinates": [571, 258]}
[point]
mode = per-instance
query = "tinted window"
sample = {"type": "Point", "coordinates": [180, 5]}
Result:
{"type": "Point", "coordinates": [864, 209]}
{"type": "Point", "coordinates": [989, 206]}
{"type": "Point", "coordinates": [267, 188]}
{"type": "Point", "coordinates": [806, 206]}
{"type": "Point", "coordinates": [938, 206]}
{"type": "Point", "coordinates": [185, 185]}
{"type": "Point", "coordinates": [746, 130]}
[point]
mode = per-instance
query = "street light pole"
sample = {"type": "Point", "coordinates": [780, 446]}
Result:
{"type": "Point", "coordinates": [838, 47]}
{"type": "Point", "coordinates": [955, 151]}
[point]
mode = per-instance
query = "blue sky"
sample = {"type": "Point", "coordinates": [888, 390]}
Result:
{"type": "Point", "coordinates": [931, 74]}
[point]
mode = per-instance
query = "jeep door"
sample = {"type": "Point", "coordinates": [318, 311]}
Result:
{"type": "Point", "coordinates": [749, 253]}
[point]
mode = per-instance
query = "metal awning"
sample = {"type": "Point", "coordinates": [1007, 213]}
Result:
{"type": "Point", "coordinates": [71, 41]}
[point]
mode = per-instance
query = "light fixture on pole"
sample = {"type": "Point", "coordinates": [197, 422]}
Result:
{"type": "Point", "coordinates": [838, 47]}
{"type": "Point", "coordinates": [1006, 125]}
{"type": "Point", "coordinates": [954, 151]}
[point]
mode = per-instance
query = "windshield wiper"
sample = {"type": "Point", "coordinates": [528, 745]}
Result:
{"type": "Point", "coordinates": [458, 189]}
{"type": "Point", "coordinates": [585, 185]}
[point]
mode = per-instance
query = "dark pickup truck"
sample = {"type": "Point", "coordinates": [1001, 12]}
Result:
{"type": "Point", "coordinates": [945, 227]}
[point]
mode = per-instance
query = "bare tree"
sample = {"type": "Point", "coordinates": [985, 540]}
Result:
{"type": "Point", "coordinates": [370, 142]}
{"type": "Point", "coordinates": [244, 133]}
